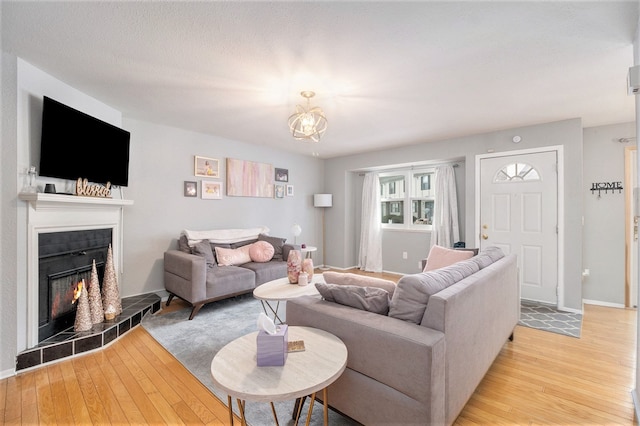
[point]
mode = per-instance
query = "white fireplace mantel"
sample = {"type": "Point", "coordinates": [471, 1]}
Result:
{"type": "Point", "coordinates": [60, 213]}
{"type": "Point", "coordinates": [42, 200]}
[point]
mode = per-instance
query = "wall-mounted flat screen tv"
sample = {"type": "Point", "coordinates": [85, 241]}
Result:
{"type": "Point", "coordinates": [76, 145]}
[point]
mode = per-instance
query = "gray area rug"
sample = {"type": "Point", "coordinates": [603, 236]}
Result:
{"type": "Point", "coordinates": [194, 343]}
{"type": "Point", "coordinates": [549, 318]}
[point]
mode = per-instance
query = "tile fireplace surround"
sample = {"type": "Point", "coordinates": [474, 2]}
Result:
{"type": "Point", "coordinates": [69, 343]}
{"type": "Point", "coordinates": [46, 213]}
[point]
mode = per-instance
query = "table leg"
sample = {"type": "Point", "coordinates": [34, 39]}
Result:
{"type": "Point", "coordinates": [241, 408]}
{"type": "Point", "coordinates": [274, 312]}
{"type": "Point", "coordinates": [313, 398]}
{"type": "Point", "coordinates": [229, 402]}
{"type": "Point", "coordinates": [326, 407]}
{"type": "Point", "coordinates": [275, 416]}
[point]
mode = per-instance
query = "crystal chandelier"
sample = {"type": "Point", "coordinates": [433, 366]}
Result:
{"type": "Point", "coordinates": [308, 123]}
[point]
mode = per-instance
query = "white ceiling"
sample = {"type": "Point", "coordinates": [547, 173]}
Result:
{"type": "Point", "coordinates": [385, 73]}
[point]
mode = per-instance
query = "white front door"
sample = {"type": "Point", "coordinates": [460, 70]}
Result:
{"type": "Point", "coordinates": [519, 214]}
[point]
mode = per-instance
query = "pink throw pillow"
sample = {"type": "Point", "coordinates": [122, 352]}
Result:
{"type": "Point", "coordinates": [439, 257]}
{"type": "Point", "coordinates": [261, 251]}
{"type": "Point", "coordinates": [231, 257]}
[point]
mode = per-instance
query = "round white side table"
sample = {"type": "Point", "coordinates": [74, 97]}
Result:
{"type": "Point", "coordinates": [234, 370]}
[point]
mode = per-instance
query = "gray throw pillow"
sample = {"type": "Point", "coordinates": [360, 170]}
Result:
{"type": "Point", "coordinates": [412, 293]}
{"type": "Point", "coordinates": [183, 244]}
{"type": "Point", "coordinates": [369, 299]}
{"type": "Point", "coordinates": [487, 256]}
{"type": "Point", "coordinates": [348, 278]}
{"type": "Point", "coordinates": [277, 244]}
{"type": "Point", "coordinates": [203, 249]}
{"type": "Point", "coordinates": [213, 249]}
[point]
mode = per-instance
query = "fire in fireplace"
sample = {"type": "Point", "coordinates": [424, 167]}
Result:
{"type": "Point", "coordinates": [65, 260]}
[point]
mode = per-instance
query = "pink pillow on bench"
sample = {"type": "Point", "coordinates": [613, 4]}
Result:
{"type": "Point", "coordinates": [439, 257]}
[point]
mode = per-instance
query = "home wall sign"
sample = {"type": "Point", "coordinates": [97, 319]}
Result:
{"type": "Point", "coordinates": [606, 187]}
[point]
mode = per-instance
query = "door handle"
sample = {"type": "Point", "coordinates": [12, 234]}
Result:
{"type": "Point", "coordinates": [485, 236]}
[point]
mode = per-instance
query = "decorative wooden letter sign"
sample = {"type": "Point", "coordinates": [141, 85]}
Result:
{"type": "Point", "coordinates": [83, 188]}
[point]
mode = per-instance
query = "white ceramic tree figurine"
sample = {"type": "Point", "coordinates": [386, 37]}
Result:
{"type": "Point", "coordinates": [111, 302]}
{"type": "Point", "coordinates": [83, 314]}
{"type": "Point", "coordinates": [95, 300]}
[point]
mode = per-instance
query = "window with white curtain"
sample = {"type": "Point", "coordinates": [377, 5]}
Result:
{"type": "Point", "coordinates": [406, 198]}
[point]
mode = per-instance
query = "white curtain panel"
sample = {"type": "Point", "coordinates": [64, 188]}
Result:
{"type": "Point", "coordinates": [370, 257]}
{"type": "Point", "coordinates": [445, 209]}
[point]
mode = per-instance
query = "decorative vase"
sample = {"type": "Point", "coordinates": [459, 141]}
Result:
{"type": "Point", "coordinates": [294, 266]}
{"type": "Point", "coordinates": [307, 266]}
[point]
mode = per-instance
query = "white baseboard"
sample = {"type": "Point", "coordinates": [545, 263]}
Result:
{"type": "Point", "coordinates": [600, 303]}
{"type": "Point", "coordinates": [7, 373]}
{"type": "Point", "coordinates": [636, 403]}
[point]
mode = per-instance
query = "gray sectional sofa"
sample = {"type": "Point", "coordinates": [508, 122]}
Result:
{"type": "Point", "coordinates": [192, 272]}
{"type": "Point", "coordinates": [420, 363]}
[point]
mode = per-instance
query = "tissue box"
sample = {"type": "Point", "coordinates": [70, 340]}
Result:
{"type": "Point", "coordinates": [272, 348]}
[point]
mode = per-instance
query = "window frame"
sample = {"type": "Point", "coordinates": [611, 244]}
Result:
{"type": "Point", "coordinates": [412, 185]}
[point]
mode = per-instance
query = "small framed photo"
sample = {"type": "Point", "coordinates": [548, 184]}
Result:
{"type": "Point", "coordinates": [190, 189]}
{"type": "Point", "coordinates": [279, 191]}
{"type": "Point", "coordinates": [207, 167]}
{"type": "Point", "coordinates": [282, 175]}
{"type": "Point", "coordinates": [211, 190]}
{"type": "Point", "coordinates": [289, 190]}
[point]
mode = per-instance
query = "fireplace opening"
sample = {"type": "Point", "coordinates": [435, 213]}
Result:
{"type": "Point", "coordinates": [64, 260]}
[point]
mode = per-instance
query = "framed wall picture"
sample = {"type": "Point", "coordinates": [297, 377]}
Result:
{"type": "Point", "coordinates": [249, 179]}
{"type": "Point", "coordinates": [211, 190]}
{"type": "Point", "coordinates": [190, 188]}
{"type": "Point", "coordinates": [279, 191]}
{"type": "Point", "coordinates": [206, 167]}
{"type": "Point", "coordinates": [282, 175]}
{"type": "Point", "coordinates": [289, 190]}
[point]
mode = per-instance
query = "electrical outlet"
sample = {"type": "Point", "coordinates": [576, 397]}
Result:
{"type": "Point", "coordinates": [404, 255]}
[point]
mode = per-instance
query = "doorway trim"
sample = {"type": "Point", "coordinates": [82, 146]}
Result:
{"type": "Point", "coordinates": [559, 150]}
{"type": "Point", "coordinates": [630, 154]}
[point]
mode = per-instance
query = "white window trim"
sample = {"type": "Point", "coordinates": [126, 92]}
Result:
{"type": "Point", "coordinates": [408, 224]}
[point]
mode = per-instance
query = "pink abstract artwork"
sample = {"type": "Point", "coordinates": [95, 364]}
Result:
{"type": "Point", "coordinates": [249, 179]}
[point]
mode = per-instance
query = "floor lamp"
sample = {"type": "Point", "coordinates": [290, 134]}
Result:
{"type": "Point", "coordinates": [323, 201]}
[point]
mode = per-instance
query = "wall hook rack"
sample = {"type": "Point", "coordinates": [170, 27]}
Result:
{"type": "Point", "coordinates": [606, 187]}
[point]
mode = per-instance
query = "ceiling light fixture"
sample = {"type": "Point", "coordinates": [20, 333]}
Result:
{"type": "Point", "coordinates": [308, 123]}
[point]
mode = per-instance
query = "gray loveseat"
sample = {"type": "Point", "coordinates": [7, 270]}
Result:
{"type": "Point", "coordinates": [193, 274]}
{"type": "Point", "coordinates": [403, 372]}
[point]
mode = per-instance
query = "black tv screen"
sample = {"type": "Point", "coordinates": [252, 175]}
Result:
{"type": "Point", "coordinates": [76, 145]}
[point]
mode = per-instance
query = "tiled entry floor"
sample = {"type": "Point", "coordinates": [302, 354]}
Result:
{"type": "Point", "coordinates": [69, 343]}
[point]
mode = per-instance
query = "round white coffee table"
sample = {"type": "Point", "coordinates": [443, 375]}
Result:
{"type": "Point", "coordinates": [282, 290]}
{"type": "Point", "coordinates": [234, 370]}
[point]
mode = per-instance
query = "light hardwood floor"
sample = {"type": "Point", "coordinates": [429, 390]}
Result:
{"type": "Point", "coordinates": [539, 378]}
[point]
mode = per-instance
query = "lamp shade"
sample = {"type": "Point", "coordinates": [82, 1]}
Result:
{"type": "Point", "coordinates": [322, 200]}
{"type": "Point", "coordinates": [296, 230]}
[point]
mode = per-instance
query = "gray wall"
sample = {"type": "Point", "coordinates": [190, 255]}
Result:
{"type": "Point", "coordinates": [162, 158]}
{"type": "Point", "coordinates": [342, 241]}
{"type": "Point", "coordinates": [604, 227]}
{"type": "Point", "coordinates": [8, 218]}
